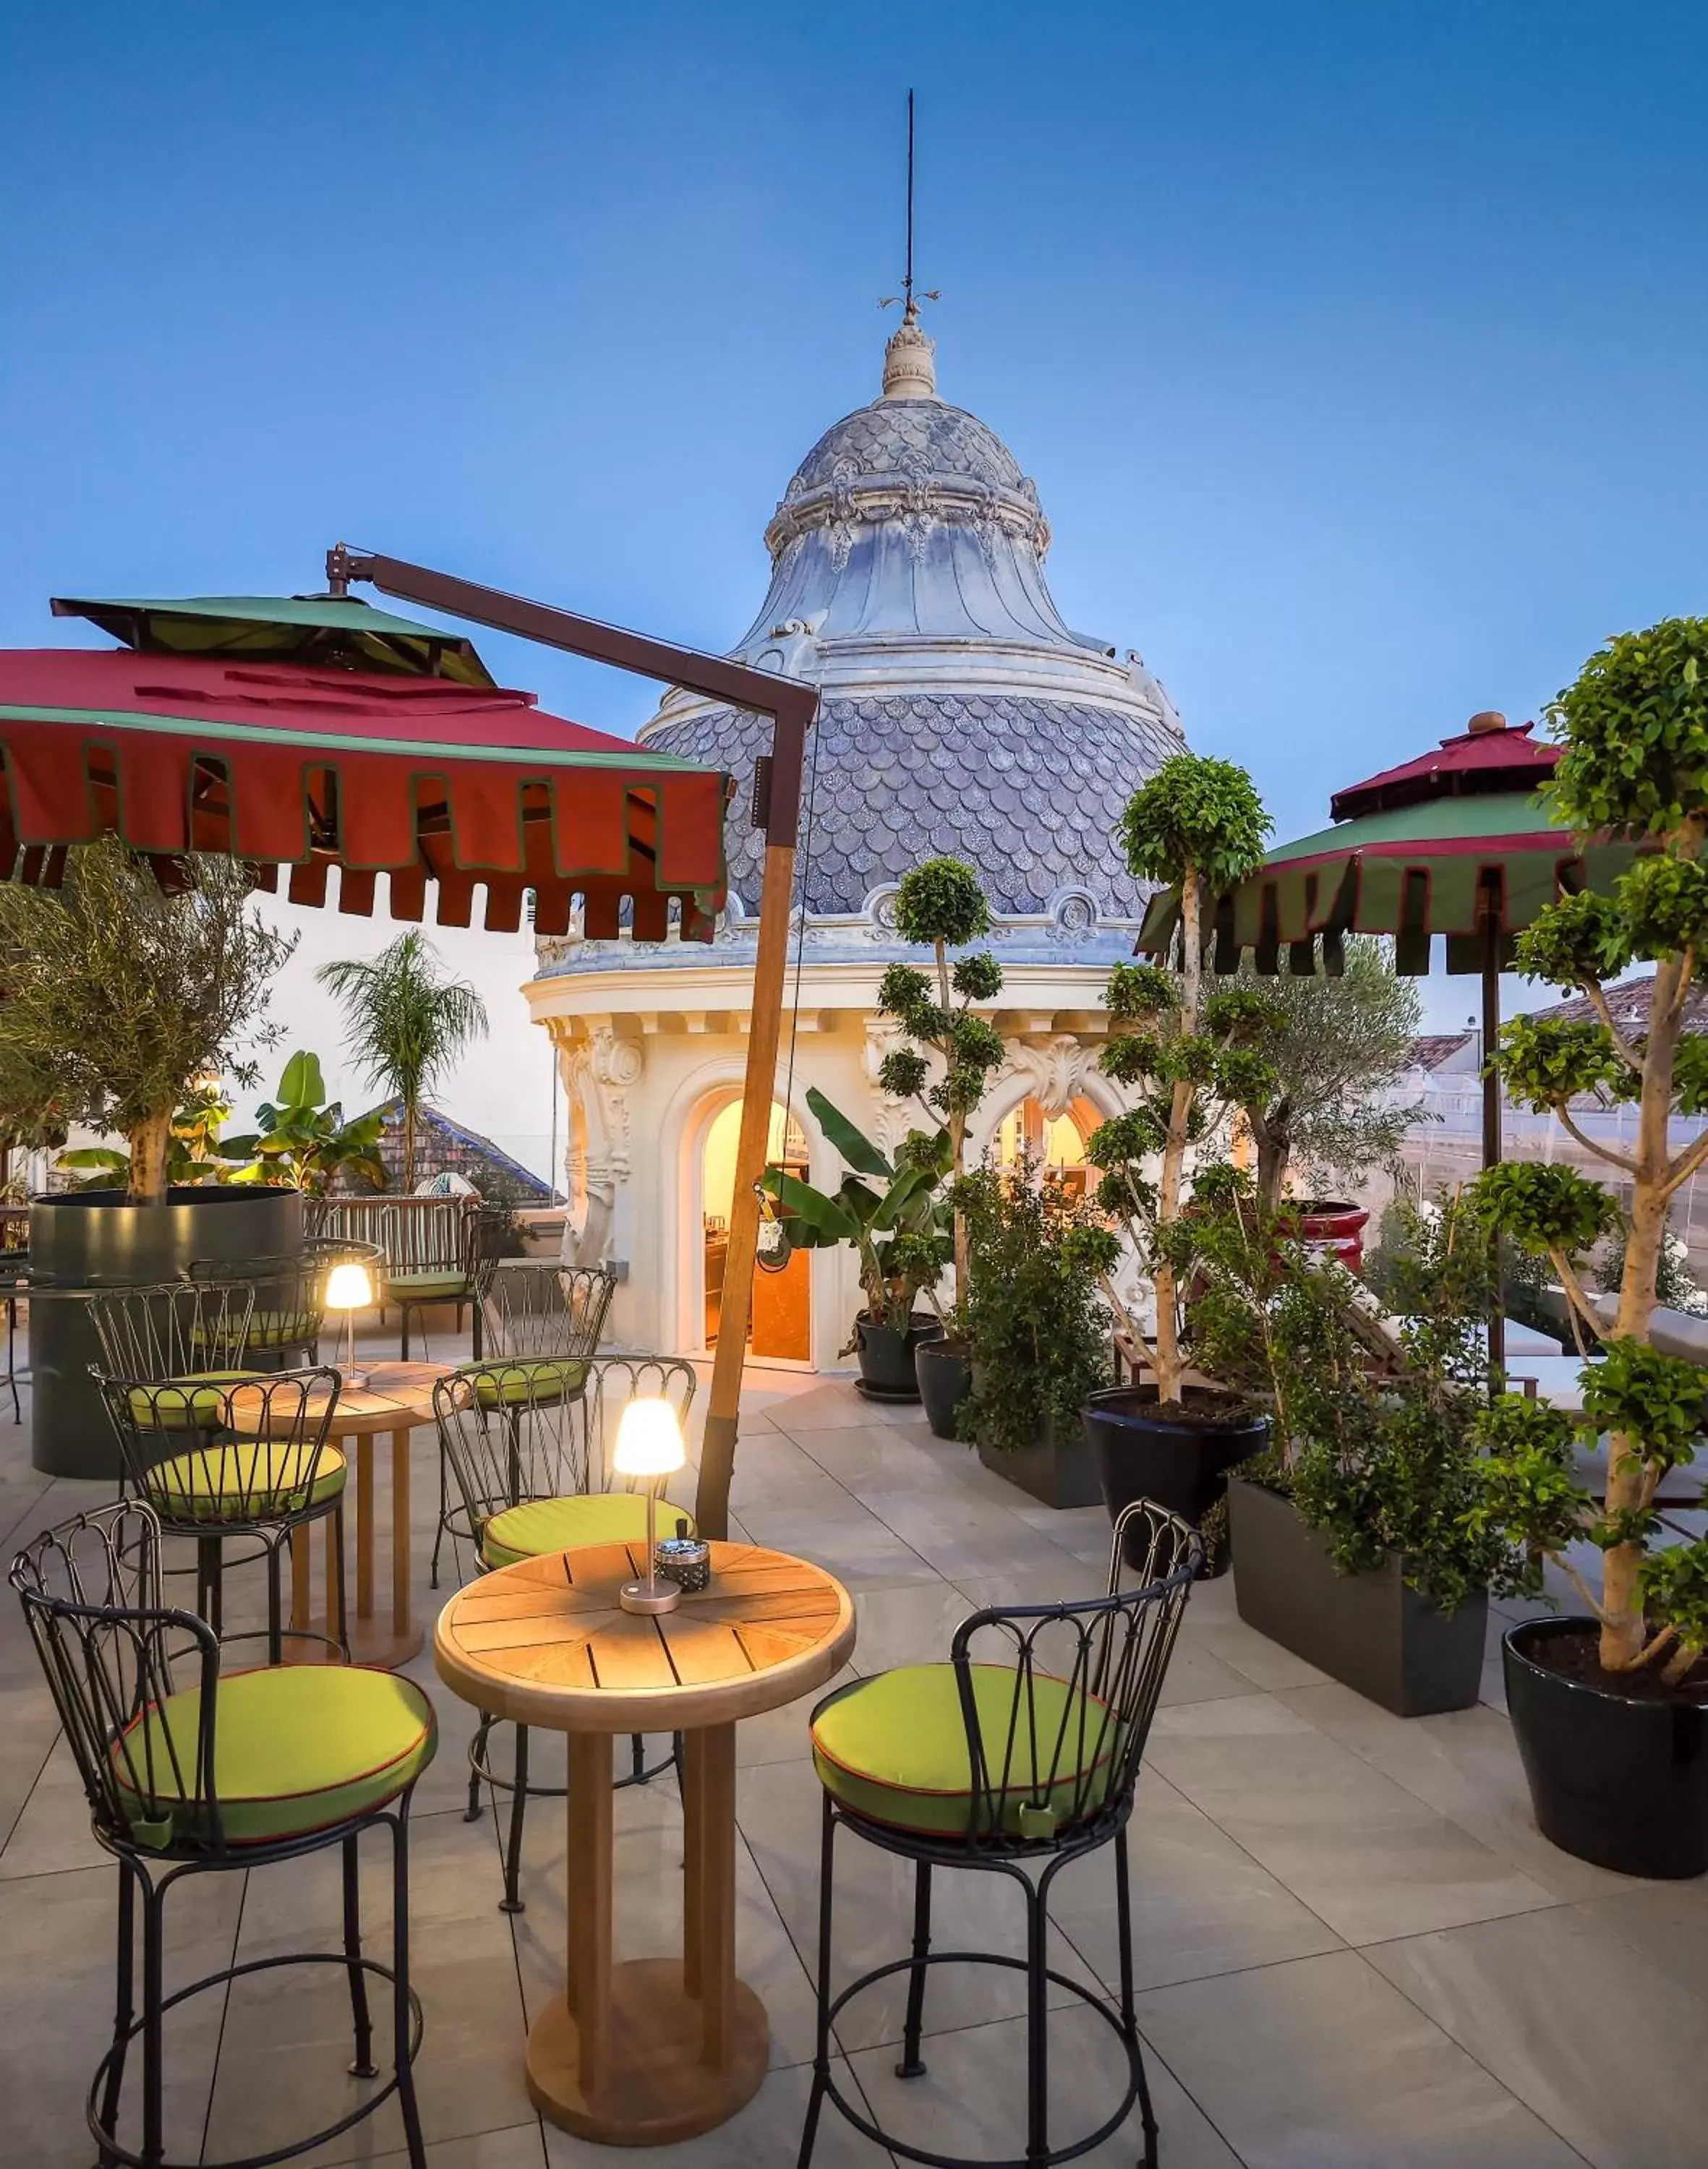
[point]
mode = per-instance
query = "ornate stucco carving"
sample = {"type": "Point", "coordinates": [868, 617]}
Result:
{"type": "Point", "coordinates": [1055, 1070]}
{"type": "Point", "coordinates": [600, 1068]}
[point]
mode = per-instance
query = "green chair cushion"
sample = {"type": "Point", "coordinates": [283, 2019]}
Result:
{"type": "Point", "coordinates": [894, 1748]}
{"type": "Point", "coordinates": [297, 1748]}
{"type": "Point", "coordinates": [185, 1404]}
{"type": "Point", "coordinates": [531, 1377]}
{"type": "Point", "coordinates": [426, 1288]}
{"type": "Point", "coordinates": [260, 1479]}
{"type": "Point", "coordinates": [539, 1526]}
{"type": "Point", "coordinates": [263, 1329]}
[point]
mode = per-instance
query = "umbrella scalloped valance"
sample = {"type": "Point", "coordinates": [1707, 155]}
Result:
{"type": "Point", "coordinates": [308, 770]}
{"type": "Point", "coordinates": [1413, 871]}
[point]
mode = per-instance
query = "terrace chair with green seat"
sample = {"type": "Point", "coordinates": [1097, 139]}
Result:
{"type": "Point", "coordinates": [287, 1313]}
{"type": "Point", "coordinates": [1018, 1755]}
{"type": "Point", "coordinates": [529, 1457]}
{"type": "Point", "coordinates": [222, 1459]}
{"type": "Point", "coordinates": [190, 1771]}
{"type": "Point", "coordinates": [428, 1246]}
{"type": "Point", "coordinates": [180, 1329]}
{"type": "Point", "coordinates": [544, 1319]}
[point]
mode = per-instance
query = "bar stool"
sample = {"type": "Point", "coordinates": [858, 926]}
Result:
{"type": "Point", "coordinates": [190, 1772]}
{"type": "Point", "coordinates": [1016, 1756]}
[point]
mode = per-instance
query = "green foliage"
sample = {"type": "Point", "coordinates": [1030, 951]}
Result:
{"type": "Point", "coordinates": [407, 1024]}
{"type": "Point", "coordinates": [1138, 993]}
{"type": "Point", "coordinates": [940, 901]}
{"type": "Point", "coordinates": [1578, 939]}
{"type": "Point", "coordinates": [1634, 727]}
{"type": "Point", "coordinates": [1376, 1464]}
{"type": "Point", "coordinates": [895, 1222]}
{"type": "Point", "coordinates": [1544, 1062]}
{"type": "Point", "coordinates": [902, 1073]}
{"type": "Point", "coordinates": [301, 1141]}
{"type": "Point", "coordinates": [1663, 902]}
{"type": "Point", "coordinates": [906, 993]}
{"type": "Point", "coordinates": [1676, 1285]}
{"type": "Point", "coordinates": [978, 978]}
{"type": "Point", "coordinates": [1039, 1336]}
{"type": "Point", "coordinates": [1656, 1398]}
{"type": "Point", "coordinates": [1546, 1209]}
{"type": "Point", "coordinates": [1690, 1073]}
{"type": "Point", "coordinates": [1674, 1585]}
{"type": "Point", "coordinates": [119, 996]}
{"type": "Point", "coordinates": [1196, 817]}
{"type": "Point", "coordinates": [193, 1152]}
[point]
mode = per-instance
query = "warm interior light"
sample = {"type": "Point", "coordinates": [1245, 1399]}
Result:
{"type": "Point", "coordinates": [348, 1286]}
{"type": "Point", "coordinates": [648, 1438]}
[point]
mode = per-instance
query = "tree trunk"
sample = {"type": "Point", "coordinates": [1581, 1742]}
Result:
{"type": "Point", "coordinates": [1169, 1363]}
{"type": "Point", "coordinates": [408, 1147]}
{"type": "Point", "coordinates": [1623, 1632]}
{"type": "Point", "coordinates": [958, 1137]}
{"type": "Point", "coordinates": [1274, 1150]}
{"type": "Point", "coordinates": [151, 1142]}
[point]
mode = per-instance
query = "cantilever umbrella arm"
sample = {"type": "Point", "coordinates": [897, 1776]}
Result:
{"type": "Point", "coordinates": [792, 706]}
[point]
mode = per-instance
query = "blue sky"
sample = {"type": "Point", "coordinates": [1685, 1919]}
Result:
{"type": "Point", "coordinates": [1357, 351]}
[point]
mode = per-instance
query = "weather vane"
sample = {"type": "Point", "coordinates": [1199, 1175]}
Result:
{"type": "Point", "coordinates": [910, 305]}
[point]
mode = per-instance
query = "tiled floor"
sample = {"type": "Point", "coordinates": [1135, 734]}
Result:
{"type": "Point", "coordinates": [1354, 1951]}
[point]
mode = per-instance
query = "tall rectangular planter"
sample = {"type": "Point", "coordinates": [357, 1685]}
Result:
{"type": "Point", "coordinates": [1368, 1631]}
{"type": "Point", "coordinates": [1057, 1470]}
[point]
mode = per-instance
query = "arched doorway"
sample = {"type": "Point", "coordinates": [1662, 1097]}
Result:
{"type": "Point", "coordinates": [783, 1315]}
{"type": "Point", "coordinates": [1057, 1143]}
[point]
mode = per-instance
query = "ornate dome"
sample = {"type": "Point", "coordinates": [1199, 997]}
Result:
{"type": "Point", "coordinates": [959, 713]}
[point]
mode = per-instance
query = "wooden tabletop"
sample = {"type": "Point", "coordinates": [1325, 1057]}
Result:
{"type": "Point", "coordinates": [397, 1397]}
{"type": "Point", "coordinates": [546, 1642]}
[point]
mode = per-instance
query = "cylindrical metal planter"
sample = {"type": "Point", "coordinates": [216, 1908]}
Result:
{"type": "Point", "coordinates": [86, 1239]}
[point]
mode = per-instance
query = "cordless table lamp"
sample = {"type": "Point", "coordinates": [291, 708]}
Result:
{"type": "Point", "coordinates": [349, 1289]}
{"type": "Point", "coordinates": [649, 1446]}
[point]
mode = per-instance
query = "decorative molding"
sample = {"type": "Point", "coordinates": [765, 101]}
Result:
{"type": "Point", "coordinates": [1056, 1071]}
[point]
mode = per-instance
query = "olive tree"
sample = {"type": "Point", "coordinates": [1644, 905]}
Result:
{"type": "Point", "coordinates": [117, 996]}
{"type": "Point", "coordinates": [1634, 727]}
{"type": "Point", "coordinates": [940, 906]}
{"type": "Point", "coordinates": [1198, 825]}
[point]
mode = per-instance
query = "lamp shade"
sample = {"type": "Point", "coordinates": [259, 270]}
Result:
{"type": "Point", "coordinates": [648, 1438]}
{"type": "Point", "coordinates": [348, 1286]}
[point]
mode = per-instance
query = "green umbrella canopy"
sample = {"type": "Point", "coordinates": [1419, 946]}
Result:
{"type": "Point", "coordinates": [1460, 843]}
{"type": "Point", "coordinates": [341, 631]}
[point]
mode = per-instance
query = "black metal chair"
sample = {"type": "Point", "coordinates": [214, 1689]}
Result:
{"type": "Point", "coordinates": [188, 1772]}
{"type": "Point", "coordinates": [429, 1246]}
{"type": "Point", "coordinates": [1020, 1754]}
{"type": "Point", "coordinates": [532, 1313]}
{"type": "Point", "coordinates": [525, 1439]}
{"type": "Point", "coordinates": [287, 1313]}
{"type": "Point", "coordinates": [223, 1458]}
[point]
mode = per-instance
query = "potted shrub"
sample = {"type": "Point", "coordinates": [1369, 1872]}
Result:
{"type": "Point", "coordinates": [1037, 1335]}
{"type": "Point", "coordinates": [1351, 1533]}
{"type": "Point", "coordinates": [1336, 1047]}
{"type": "Point", "coordinates": [898, 1231]}
{"type": "Point", "coordinates": [1610, 1705]}
{"type": "Point", "coordinates": [1199, 824]}
{"type": "Point", "coordinates": [120, 998]}
{"type": "Point", "coordinates": [940, 906]}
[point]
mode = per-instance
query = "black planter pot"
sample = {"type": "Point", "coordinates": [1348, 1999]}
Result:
{"type": "Point", "coordinates": [1058, 1469]}
{"type": "Point", "coordinates": [886, 1357]}
{"type": "Point", "coordinates": [1617, 1780]}
{"type": "Point", "coordinates": [1368, 1631]}
{"type": "Point", "coordinates": [93, 1238]}
{"type": "Point", "coordinates": [1182, 1464]}
{"type": "Point", "coordinates": [944, 1374]}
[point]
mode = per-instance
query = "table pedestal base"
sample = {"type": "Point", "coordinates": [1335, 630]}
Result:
{"type": "Point", "coordinates": [656, 2086]}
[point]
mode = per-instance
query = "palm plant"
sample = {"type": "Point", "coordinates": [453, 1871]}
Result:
{"type": "Point", "coordinates": [407, 1023]}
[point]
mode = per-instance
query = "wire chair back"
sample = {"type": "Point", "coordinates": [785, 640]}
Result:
{"type": "Point", "coordinates": [232, 1452]}
{"type": "Point", "coordinates": [539, 1309]}
{"type": "Point", "coordinates": [1058, 1699]}
{"type": "Point", "coordinates": [412, 1234]}
{"type": "Point", "coordinates": [114, 1653]}
{"type": "Point", "coordinates": [289, 1312]}
{"type": "Point", "coordinates": [174, 1328]}
{"type": "Point", "coordinates": [517, 1429]}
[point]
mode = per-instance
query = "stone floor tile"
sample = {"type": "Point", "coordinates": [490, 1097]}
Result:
{"type": "Point", "coordinates": [765, 2135]}
{"type": "Point", "coordinates": [1533, 1998]}
{"type": "Point", "coordinates": [911, 1625]}
{"type": "Point", "coordinates": [782, 1735]}
{"type": "Point", "coordinates": [779, 1810]}
{"type": "Point", "coordinates": [1264, 1663]}
{"type": "Point", "coordinates": [1668, 1922]}
{"type": "Point", "coordinates": [1366, 1856]}
{"type": "Point", "coordinates": [52, 1832]}
{"type": "Point", "coordinates": [971, 2097]}
{"type": "Point", "coordinates": [58, 1935]}
{"type": "Point", "coordinates": [1200, 1904]}
{"type": "Point", "coordinates": [519, 2146]}
{"type": "Point", "coordinates": [28, 1730]}
{"type": "Point", "coordinates": [862, 1552]}
{"type": "Point", "coordinates": [1065, 1579]}
{"type": "Point", "coordinates": [1464, 1764]}
{"type": "Point", "coordinates": [1312, 2065]}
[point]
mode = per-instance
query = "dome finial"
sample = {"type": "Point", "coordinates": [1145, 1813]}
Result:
{"type": "Point", "coordinates": [909, 370]}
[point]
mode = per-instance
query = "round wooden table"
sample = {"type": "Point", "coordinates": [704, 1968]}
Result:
{"type": "Point", "coordinates": [653, 2051]}
{"type": "Point", "coordinates": [396, 1398]}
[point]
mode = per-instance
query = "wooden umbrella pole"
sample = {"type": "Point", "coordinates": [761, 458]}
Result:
{"type": "Point", "coordinates": [1491, 1112]}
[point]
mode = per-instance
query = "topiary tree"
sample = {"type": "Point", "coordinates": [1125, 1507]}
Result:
{"type": "Point", "coordinates": [1634, 727]}
{"type": "Point", "coordinates": [1200, 825]}
{"type": "Point", "coordinates": [1336, 1046]}
{"type": "Point", "coordinates": [117, 996]}
{"type": "Point", "coordinates": [941, 906]}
